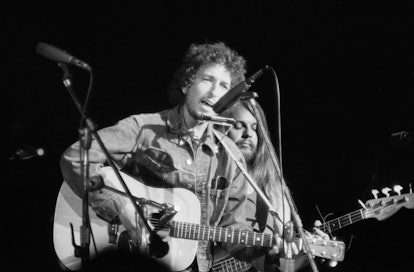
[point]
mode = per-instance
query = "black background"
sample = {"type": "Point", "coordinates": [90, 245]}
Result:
{"type": "Point", "coordinates": [346, 75]}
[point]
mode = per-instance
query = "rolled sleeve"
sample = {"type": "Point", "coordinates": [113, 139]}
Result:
{"type": "Point", "coordinates": [120, 141]}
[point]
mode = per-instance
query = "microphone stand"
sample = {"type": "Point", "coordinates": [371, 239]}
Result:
{"type": "Point", "coordinates": [85, 229]}
{"type": "Point", "coordinates": [287, 263]}
{"type": "Point", "coordinates": [295, 215]}
{"type": "Point", "coordinates": [86, 133]}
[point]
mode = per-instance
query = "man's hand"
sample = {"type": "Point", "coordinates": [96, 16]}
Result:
{"type": "Point", "coordinates": [317, 232]}
{"type": "Point", "coordinates": [280, 245]}
{"type": "Point", "coordinates": [137, 232]}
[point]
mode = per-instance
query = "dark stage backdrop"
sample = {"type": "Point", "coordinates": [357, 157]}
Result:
{"type": "Point", "coordinates": [346, 75]}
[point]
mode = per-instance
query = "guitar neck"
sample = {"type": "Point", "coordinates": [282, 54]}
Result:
{"type": "Point", "coordinates": [333, 250]}
{"type": "Point", "coordinates": [228, 235]}
{"type": "Point", "coordinates": [343, 221]}
{"type": "Point", "coordinates": [231, 265]}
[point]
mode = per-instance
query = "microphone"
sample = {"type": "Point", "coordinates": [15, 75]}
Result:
{"type": "Point", "coordinates": [227, 100]}
{"type": "Point", "coordinates": [402, 137]}
{"type": "Point", "coordinates": [59, 55]}
{"type": "Point", "coordinates": [218, 119]}
{"type": "Point", "coordinates": [27, 152]}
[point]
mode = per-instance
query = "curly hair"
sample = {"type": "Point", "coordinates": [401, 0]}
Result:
{"type": "Point", "coordinates": [198, 55]}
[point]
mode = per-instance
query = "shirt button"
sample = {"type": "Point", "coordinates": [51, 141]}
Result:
{"type": "Point", "coordinates": [188, 161]}
{"type": "Point", "coordinates": [189, 185]}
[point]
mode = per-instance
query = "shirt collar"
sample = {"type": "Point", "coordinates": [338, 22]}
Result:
{"type": "Point", "coordinates": [178, 132]}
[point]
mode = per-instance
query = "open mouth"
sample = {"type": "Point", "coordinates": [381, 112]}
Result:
{"type": "Point", "coordinates": [207, 103]}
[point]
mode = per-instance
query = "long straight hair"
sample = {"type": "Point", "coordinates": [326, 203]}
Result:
{"type": "Point", "coordinates": [261, 168]}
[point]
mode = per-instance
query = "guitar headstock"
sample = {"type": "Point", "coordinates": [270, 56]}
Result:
{"type": "Point", "coordinates": [384, 207]}
{"type": "Point", "coordinates": [327, 249]}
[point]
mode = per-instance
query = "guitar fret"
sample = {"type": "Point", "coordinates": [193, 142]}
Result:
{"type": "Point", "coordinates": [214, 232]}
{"type": "Point", "coordinates": [255, 238]}
{"type": "Point", "coordinates": [362, 214]}
{"type": "Point", "coordinates": [338, 225]}
{"type": "Point", "coordinates": [238, 263]}
{"type": "Point", "coordinates": [219, 234]}
{"type": "Point", "coordinates": [185, 231]}
{"type": "Point", "coordinates": [181, 230]}
{"type": "Point", "coordinates": [189, 231]}
{"type": "Point", "coordinates": [343, 221]}
{"type": "Point", "coordinates": [173, 229]}
{"type": "Point", "coordinates": [230, 265]}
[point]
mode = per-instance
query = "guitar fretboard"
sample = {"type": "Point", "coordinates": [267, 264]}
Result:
{"type": "Point", "coordinates": [230, 265]}
{"type": "Point", "coordinates": [228, 235]}
{"type": "Point", "coordinates": [333, 250]}
{"type": "Point", "coordinates": [343, 221]}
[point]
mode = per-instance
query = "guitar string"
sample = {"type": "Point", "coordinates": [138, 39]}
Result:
{"type": "Point", "coordinates": [353, 217]}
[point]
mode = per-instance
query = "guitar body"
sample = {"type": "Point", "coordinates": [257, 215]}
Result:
{"type": "Point", "coordinates": [182, 233]}
{"type": "Point", "coordinates": [68, 211]}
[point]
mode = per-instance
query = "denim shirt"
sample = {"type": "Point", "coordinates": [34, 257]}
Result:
{"type": "Point", "coordinates": [158, 149]}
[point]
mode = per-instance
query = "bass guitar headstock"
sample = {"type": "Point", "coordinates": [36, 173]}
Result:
{"type": "Point", "coordinates": [384, 207]}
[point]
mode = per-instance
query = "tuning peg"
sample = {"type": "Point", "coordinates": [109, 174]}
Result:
{"type": "Point", "coordinates": [375, 192]}
{"type": "Point", "coordinates": [317, 223]}
{"type": "Point", "coordinates": [385, 191]}
{"type": "Point", "coordinates": [332, 263]}
{"type": "Point", "coordinates": [362, 204]}
{"type": "Point", "coordinates": [397, 189]}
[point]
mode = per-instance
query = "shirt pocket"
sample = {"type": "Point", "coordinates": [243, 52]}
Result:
{"type": "Point", "coordinates": [155, 165]}
{"type": "Point", "coordinates": [219, 194]}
